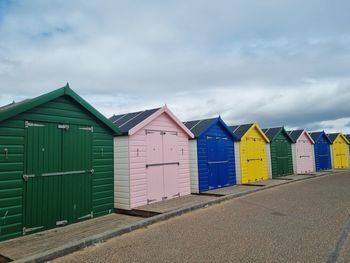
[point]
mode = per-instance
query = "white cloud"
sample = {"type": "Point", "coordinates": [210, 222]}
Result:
{"type": "Point", "coordinates": [277, 62]}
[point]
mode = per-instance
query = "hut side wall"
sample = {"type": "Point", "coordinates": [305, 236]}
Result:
{"type": "Point", "coordinates": [268, 153]}
{"type": "Point", "coordinates": [237, 162]}
{"type": "Point", "coordinates": [193, 159]}
{"type": "Point", "coordinates": [121, 173]}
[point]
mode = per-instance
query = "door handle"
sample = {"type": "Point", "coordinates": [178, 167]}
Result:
{"type": "Point", "coordinates": [6, 153]}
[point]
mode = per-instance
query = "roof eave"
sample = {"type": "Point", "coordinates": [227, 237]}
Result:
{"type": "Point", "coordinates": [66, 90]}
{"type": "Point", "coordinates": [31, 103]}
{"type": "Point", "coordinates": [256, 125]}
{"type": "Point", "coordinates": [164, 109]}
{"type": "Point", "coordinates": [307, 135]}
{"type": "Point", "coordinates": [220, 120]}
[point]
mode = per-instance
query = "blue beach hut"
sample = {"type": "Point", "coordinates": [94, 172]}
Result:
{"type": "Point", "coordinates": [212, 162]}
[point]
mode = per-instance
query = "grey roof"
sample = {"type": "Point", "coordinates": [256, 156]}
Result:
{"type": "Point", "coordinates": [271, 133]}
{"type": "Point", "coordinates": [240, 130]}
{"type": "Point", "coordinates": [12, 104]}
{"type": "Point", "coordinates": [127, 121]}
{"type": "Point", "coordinates": [295, 134]}
{"type": "Point", "coordinates": [347, 136]}
{"type": "Point", "coordinates": [198, 126]}
{"type": "Point", "coordinates": [316, 135]}
{"type": "Point", "coordinates": [333, 136]}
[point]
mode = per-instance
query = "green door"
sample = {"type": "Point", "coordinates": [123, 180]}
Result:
{"type": "Point", "coordinates": [42, 193]}
{"type": "Point", "coordinates": [281, 155]}
{"type": "Point", "coordinates": [58, 188]}
{"type": "Point", "coordinates": [77, 181]}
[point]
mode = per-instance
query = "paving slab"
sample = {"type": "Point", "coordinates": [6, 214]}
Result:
{"type": "Point", "coordinates": [267, 183]}
{"type": "Point", "coordinates": [175, 203]}
{"type": "Point", "coordinates": [296, 177]}
{"type": "Point", "coordinates": [26, 246]}
{"type": "Point", "coordinates": [236, 189]}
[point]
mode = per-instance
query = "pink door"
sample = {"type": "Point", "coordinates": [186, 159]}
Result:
{"type": "Point", "coordinates": [304, 158]}
{"type": "Point", "coordinates": [171, 164]}
{"type": "Point", "coordinates": [308, 161]}
{"type": "Point", "coordinates": [154, 167]}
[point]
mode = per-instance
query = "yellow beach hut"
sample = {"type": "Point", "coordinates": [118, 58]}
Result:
{"type": "Point", "coordinates": [340, 150]}
{"type": "Point", "coordinates": [251, 153]}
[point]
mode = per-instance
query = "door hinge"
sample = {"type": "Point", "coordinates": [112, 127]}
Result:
{"type": "Point", "coordinates": [86, 216]}
{"type": "Point", "coordinates": [92, 171]}
{"type": "Point", "coordinates": [61, 223]}
{"type": "Point", "coordinates": [27, 230]}
{"type": "Point", "coordinates": [63, 126]}
{"type": "Point", "coordinates": [87, 128]}
{"type": "Point", "coordinates": [32, 124]}
{"type": "Point", "coordinates": [27, 176]}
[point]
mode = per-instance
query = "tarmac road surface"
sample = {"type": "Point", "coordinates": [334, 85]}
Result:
{"type": "Point", "coordinates": [306, 221]}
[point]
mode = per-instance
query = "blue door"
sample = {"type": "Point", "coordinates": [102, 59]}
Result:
{"type": "Point", "coordinates": [323, 155]}
{"type": "Point", "coordinates": [217, 161]}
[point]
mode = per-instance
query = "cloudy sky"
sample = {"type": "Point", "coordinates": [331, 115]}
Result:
{"type": "Point", "coordinates": [278, 62]}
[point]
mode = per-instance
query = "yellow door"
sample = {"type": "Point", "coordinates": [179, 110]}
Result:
{"type": "Point", "coordinates": [340, 154]}
{"type": "Point", "coordinates": [250, 160]}
{"type": "Point", "coordinates": [263, 174]}
{"type": "Point", "coordinates": [344, 155]}
{"type": "Point", "coordinates": [255, 158]}
{"type": "Point", "coordinates": [336, 155]}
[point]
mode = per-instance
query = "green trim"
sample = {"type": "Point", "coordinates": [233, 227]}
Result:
{"type": "Point", "coordinates": [17, 108]}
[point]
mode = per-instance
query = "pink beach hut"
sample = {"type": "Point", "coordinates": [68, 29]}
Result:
{"type": "Point", "coordinates": [151, 159]}
{"type": "Point", "coordinates": [303, 152]}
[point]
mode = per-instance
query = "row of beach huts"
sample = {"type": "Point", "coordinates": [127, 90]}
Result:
{"type": "Point", "coordinates": [62, 162]}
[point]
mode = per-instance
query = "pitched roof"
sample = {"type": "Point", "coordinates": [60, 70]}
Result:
{"type": "Point", "coordinates": [333, 136]}
{"type": "Point", "coordinates": [240, 130]}
{"type": "Point", "coordinates": [316, 135]}
{"type": "Point", "coordinates": [198, 126]}
{"type": "Point", "coordinates": [127, 121]}
{"type": "Point", "coordinates": [14, 109]}
{"type": "Point", "coordinates": [295, 134]}
{"type": "Point", "coordinates": [13, 104]}
{"type": "Point", "coordinates": [130, 123]}
{"type": "Point", "coordinates": [271, 133]}
{"type": "Point", "coordinates": [347, 136]}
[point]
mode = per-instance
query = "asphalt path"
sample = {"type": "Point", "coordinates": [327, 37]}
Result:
{"type": "Point", "coordinates": [306, 221]}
